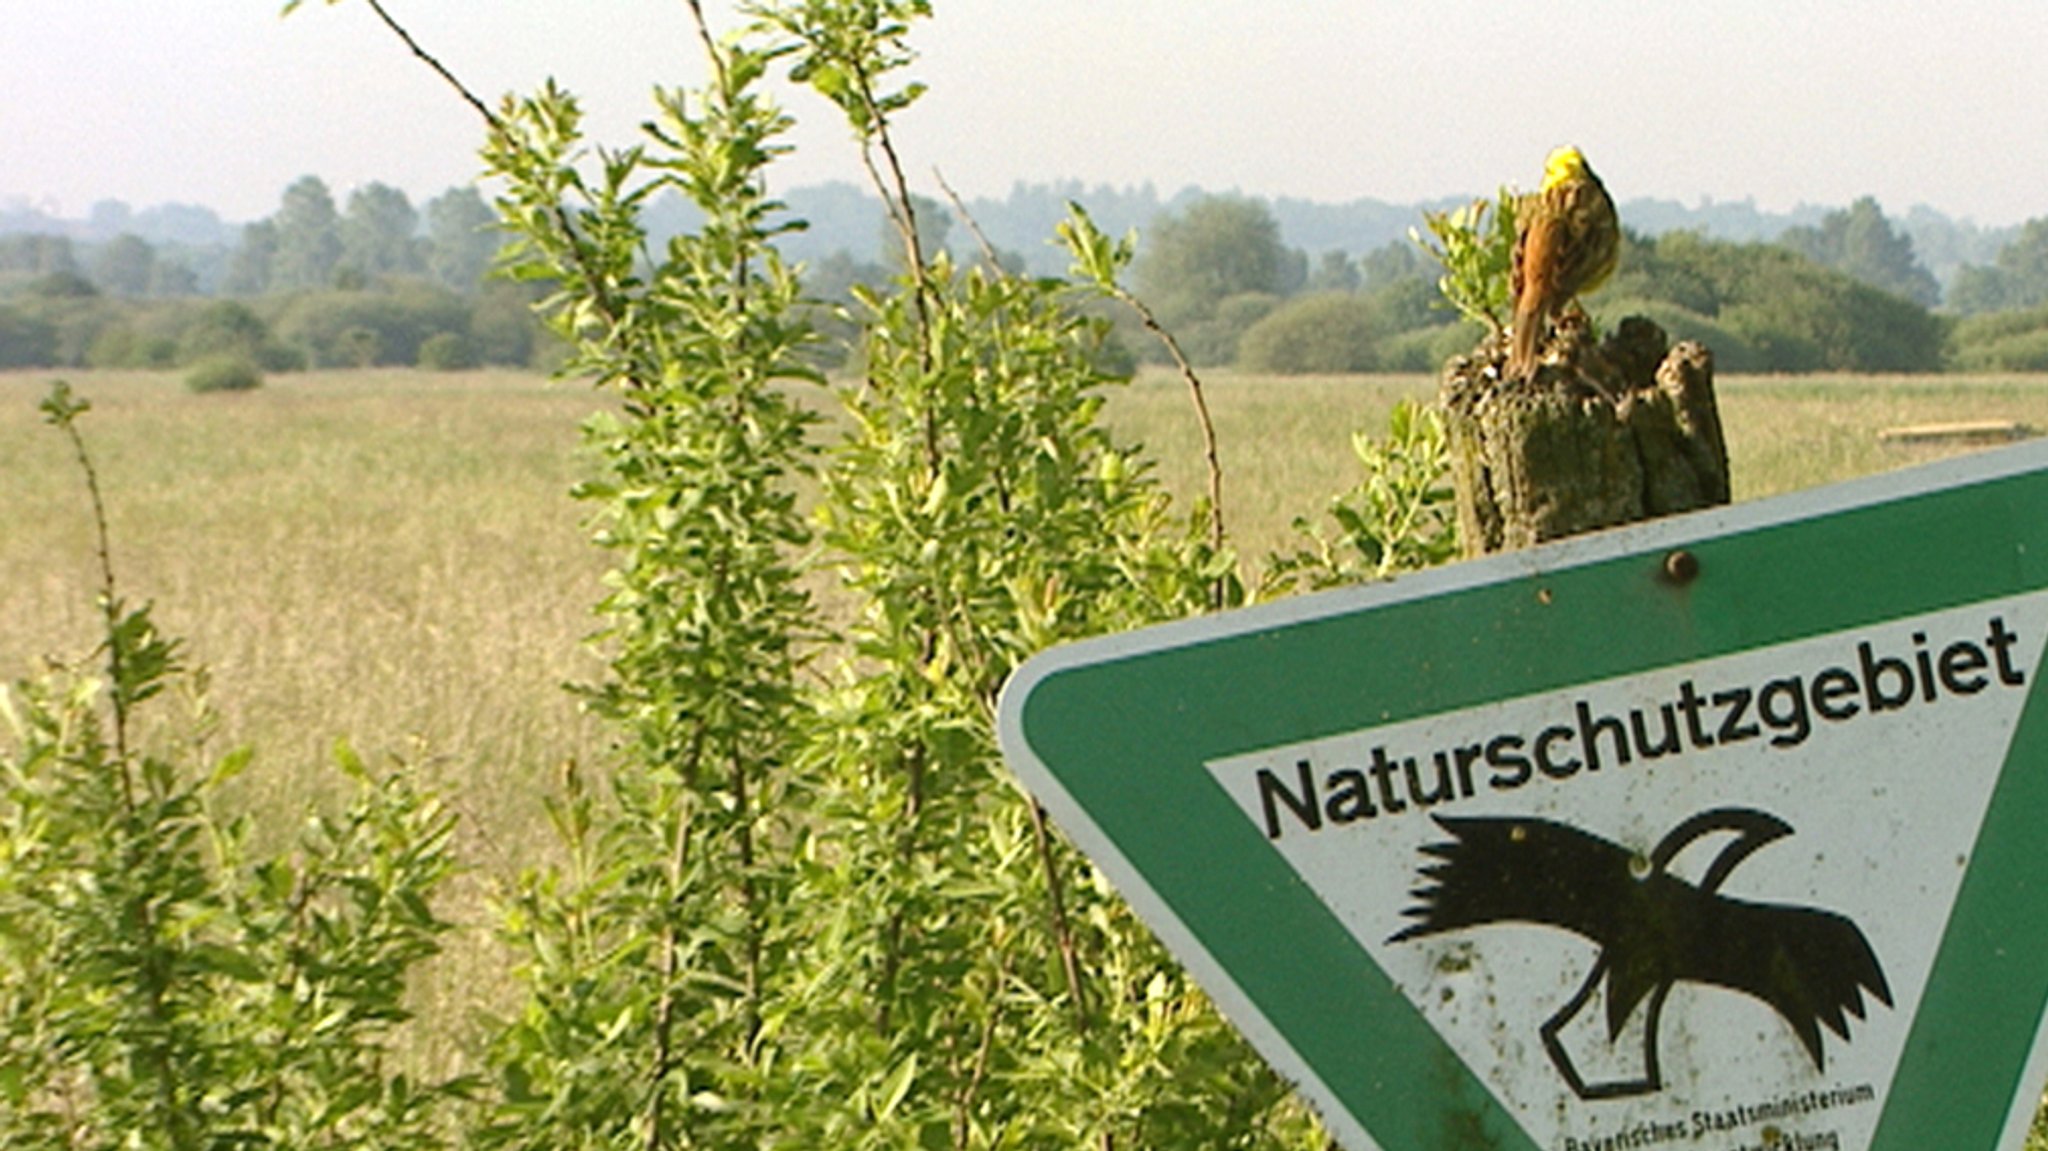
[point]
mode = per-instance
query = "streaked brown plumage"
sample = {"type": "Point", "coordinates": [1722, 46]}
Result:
{"type": "Point", "coordinates": [1567, 239]}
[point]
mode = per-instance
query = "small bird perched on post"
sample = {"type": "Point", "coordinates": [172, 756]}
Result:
{"type": "Point", "coordinates": [1567, 239]}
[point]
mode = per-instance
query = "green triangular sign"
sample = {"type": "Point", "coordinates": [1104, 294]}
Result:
{"type": "Point", "coordinates": [1587, 849]}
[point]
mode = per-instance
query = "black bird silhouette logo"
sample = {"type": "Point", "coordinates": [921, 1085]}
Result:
{"type": "Point", "coordinates": [1653, 928]}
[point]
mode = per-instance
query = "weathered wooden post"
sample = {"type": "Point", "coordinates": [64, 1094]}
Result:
{"type": "Point", "coordinates": [1603, 434]}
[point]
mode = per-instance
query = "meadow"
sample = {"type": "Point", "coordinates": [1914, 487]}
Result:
{"type": "Point", "coordinates": [392, 557]}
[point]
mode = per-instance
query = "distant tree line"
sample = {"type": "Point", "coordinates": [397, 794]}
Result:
{"type": "Point", "coordinates": [375, 280]}
{"type": "Point", "coordinates": [1845, 293]}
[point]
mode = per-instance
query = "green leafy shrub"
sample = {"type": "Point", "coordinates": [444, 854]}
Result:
{"type": "Point", "coordinates": [1475, 246]}
{"type": "Point", "coordinates": [1990, 327]}
{"type": "Point", "coordinates": [1326, 332]}
{"type": "Point", "coordinates": [1428, 349]}
{"type": "Point", "coordinates": [356, 347]}
{"type": "Point", "coordinates": [125, 346]}
{"type": "Point", "coordinates": [1786, 312]}
{"type": "Point", "coordinates": [225, 373]}
{"type": "Point", "coordinates": [1400, 517]}
{"type": "Point", "coordinates": [167, 985]}
{"type": "Point", "coordinates": [224, 328]}
{"type": "Point", "coordinates": [660, 1005]}
{"type": "Point", "coordinates": [1659, 269]}
{"type": "Point", "coordinates": [54, 330]}
{"type": "Point", "coordinates": [809, 909]}
{"type": "Point", "coordinates": [376, 326]}
{"type": "Point", "coordinates": [1406, 305]}
{"type": "Point", "coordinates": [447, 352]}
{"type": "Point", "coordinates": [143, 333]}
{"type": "Point", "coordinates": [1765, 338]}
{"type": "Point", "coordinates": [2010, 341]}
{"type": "Point", "coordinates": [1213, 339]}
{"type": "Point", "coordinates": [2024, 352]}
{"type": "Point", "coordinates": [26, 340]}
{"type": "Point", "coordinates": [276, 357]}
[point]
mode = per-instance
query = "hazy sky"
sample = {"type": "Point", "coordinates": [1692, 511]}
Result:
{"type": "Point", "coordinates": [223, 103]}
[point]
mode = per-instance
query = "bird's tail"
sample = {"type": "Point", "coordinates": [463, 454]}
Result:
{"type": "Point", "coordinates": [1522, 344]}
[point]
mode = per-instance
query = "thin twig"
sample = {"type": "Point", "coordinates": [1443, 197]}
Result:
{"type": "Point", "coordinates": [603, 296]}
{"type": "Point", "coordinates": [1063, 935]}
{"type": "Point", "coordinates": [906, 228]}
{"type": "Point", "coordinates": [664, 1060]}
{"type": "Point", "coordinates": [988, 250]}
{"type": "Point", "coordinates": [895, 194]}
{"type": "Point", "coordinates": [711, 51]}
{"type": "Point", "coordinates": [441, 70]}
{"type": "Point", "coordinates": [964, 1107]}
{"type": "Point", "coordinates": [913, 242]}
{"type": "Point", "coordinates": [750, 902]}
{"type": "Point", "coordinates": [152, 966]}
{"type": "Point", "coordinates": [1217, 534]}
{"type": "Point", "coordinates": [110, 602]}
{"type": "Point", "coordinates": [906, 852]}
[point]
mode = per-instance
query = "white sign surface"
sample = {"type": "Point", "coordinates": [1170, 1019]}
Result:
{"type": "Point", "coordinates": [1845, 774]}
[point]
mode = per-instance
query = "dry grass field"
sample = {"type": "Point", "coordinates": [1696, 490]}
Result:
{"type": "Point", "coordinates": [392, 557]}
{"type": "Point", "coordinates": [387, 557]}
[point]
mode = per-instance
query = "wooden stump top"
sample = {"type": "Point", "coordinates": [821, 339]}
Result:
{"type": "Point", "coordinates": [1601, 434]}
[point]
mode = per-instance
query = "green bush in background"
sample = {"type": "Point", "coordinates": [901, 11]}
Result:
{"type": "Point", "coordinates": [224, 373]}
{"type": "Point", "coordinates": [1328, 332]}
{"type": "Point", "coordinates": [447, 352]}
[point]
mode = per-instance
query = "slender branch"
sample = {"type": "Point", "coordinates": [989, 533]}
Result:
{"type": "Point", "coordinates": [1217, 534]}
{"type": "Point", "coordinates": [963, 1110]}
{"type": "Point", "coordinates": [103, 543]}
{"type": "Point", "coordinates": [665, 1010]}
{"type": "Point", "coordinates": [665, 1056]}
{"type": "Point", "coordinates": [602, 295]}
{"type": "Point", "coordinates": [906, 851]}
{"type": "Point", "coordinates": [880, 136]}
{"type": "Point", "coordinates": [896, 194]}
{"type": "Point", "coordinates": [988, 250]}
{"type": "Point", "coordinates": [711, 51]}
{"type": "Point", "coordinates": [440, 69]}
{"type": "Point", "coordinates": [110, 602]}
{"type": "Point", "coordinates": [906, 227]}
{"type": "Point", "coordinates": [750, 901]}
{"type": "Point", "coordinates": [154, 964]}
{"type": "Point", "coordinates": [1063, 934]}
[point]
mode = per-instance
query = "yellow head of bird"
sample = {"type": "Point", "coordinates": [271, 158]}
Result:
{"type": "Point", "coordinates": [1566, 163]}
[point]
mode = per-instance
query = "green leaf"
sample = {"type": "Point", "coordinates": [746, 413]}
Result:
{"type": "Point", "coordinates": [62, 406]}
{"type": "Point", "coordinates": [896, 1086]}
{"type": "Point", "coordinates": [346, 759]}
{"type": "Point", "coordinates": [231, 765]}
